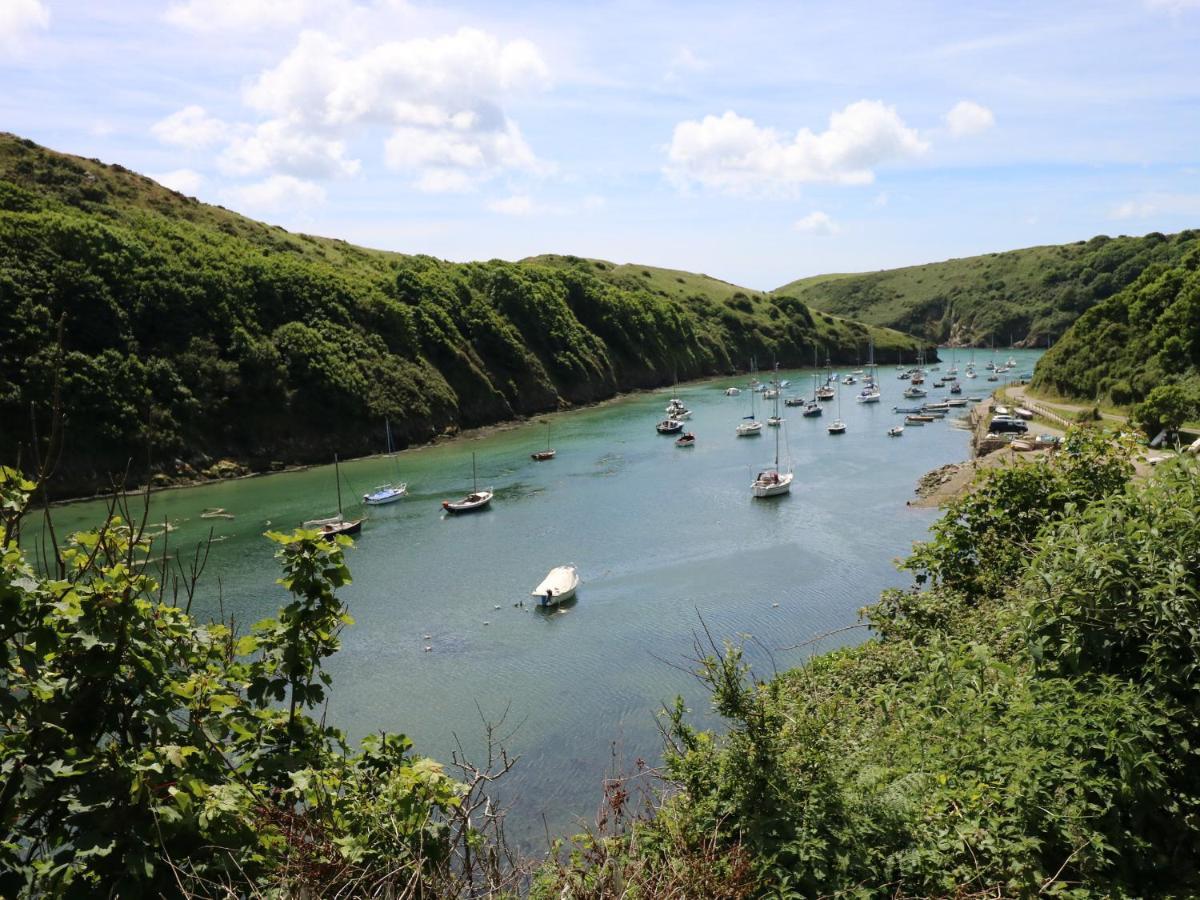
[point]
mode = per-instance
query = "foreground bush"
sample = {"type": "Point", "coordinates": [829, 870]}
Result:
{"type": "Point", "coordinates": [1024, 723]}
{"type": "Point", "coordinates": [143, 753]}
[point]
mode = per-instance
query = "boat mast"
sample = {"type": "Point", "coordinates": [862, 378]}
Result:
{"type": "Point", "coordinates": [337, 476]}
{"type": "Point", "coordinates": [474, 480]}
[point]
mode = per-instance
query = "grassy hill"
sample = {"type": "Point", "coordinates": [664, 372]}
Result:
{"type": "Point", "coordinates": [1143, 338]}
{"type": "Point", "coordinates": [1029, 296]}
{"type": "Point", "coordinates": [191, 332]}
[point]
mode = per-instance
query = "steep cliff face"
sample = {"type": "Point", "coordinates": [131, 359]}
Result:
{"type": "Point", "coordinates": [191, 334]}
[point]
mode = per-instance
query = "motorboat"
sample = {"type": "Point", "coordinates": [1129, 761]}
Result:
{"type": "Point", "coordinates": [919, 417]}
{"type": "Point", "coordinates": [955, 388]}
{"type": "Point", "coordinates": [687, 439]}
{"type": "Point", "coordinates": [837, 426]}
{"type": "Point", "coordinates": [913, 392]}
{"type": "Point", "coordinates": [557, 587]}
{"type": "Point", "coordinates": [732, 391]}
{"type": "Point", "coordinates": [956, 401]}
{"type": "Point", "coordinates": [774, 421]}
{"type": "Point", "coordinates": [896, 431]}
{"type": "Point", "coordinates": [669, 426]}
{"type": "Point", "coordinates": [794, 401]}
{"type": "Point", "coordinates": [812, 409]}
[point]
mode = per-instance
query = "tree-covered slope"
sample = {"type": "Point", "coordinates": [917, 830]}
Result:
{"type": "Point", "coordinates": [1028, 296]}
{"type": "Point", "coordinates": [190, 332]}
{"type": "Point", "coordinates": [1142, 338]}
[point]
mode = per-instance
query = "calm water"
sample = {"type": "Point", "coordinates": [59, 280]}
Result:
{"type": "Point", "coordinates": [662, 536]}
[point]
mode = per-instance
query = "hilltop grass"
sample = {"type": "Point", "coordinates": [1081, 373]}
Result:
{"type": "Point", "coordinates": [1028, 296]}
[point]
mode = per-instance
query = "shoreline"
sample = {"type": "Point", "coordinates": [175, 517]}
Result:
{"type": "Point", "coordinates": [465, 434]}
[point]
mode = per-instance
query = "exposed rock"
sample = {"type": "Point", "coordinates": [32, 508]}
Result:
{"type": "Point", "coordinates": [929, 482]}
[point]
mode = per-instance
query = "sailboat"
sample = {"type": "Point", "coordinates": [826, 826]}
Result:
{"type": "Point", "coordinates": [332, 526]}
{"type": "Point", "coordinates": [393, 490]}
{"type": "Point", "coordinates": [870, 391]}
{"type": "Point", "coordinates": [751, 426]}
{"type": "Point", "coordinates": [837, 426]}
{"type": "Point", "coordinates": [477, 499]}
{"type": "Point", "coordinates": [548, 453]}
{"type": "Point", "coordinates": [772, 482]}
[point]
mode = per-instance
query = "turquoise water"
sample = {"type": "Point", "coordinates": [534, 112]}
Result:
{"type": "Point", "coordinates": [663, 538]}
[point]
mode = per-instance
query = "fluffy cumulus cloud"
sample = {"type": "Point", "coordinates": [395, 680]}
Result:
{"type": "Point", "coordinates": [281, 146]}
{"type": "Point", "coordinates": [817, 222]}
{"type": "Point", "coordinates": [967, 118]}
{"type": "Point", "coordinates": [734, 154]}
{"type": "Point", "coordinates": [18, 18]}
{"type": "Point", "coordinates": [276, 194]}
{"type": "Point", "coordinates": [186, 181]}
{"type": "Point", "coordinates": [190, 127]}
{"type": "Point", "coordinates": [239, 15]}
{"type": "Point", "coordinates": [440, 97]}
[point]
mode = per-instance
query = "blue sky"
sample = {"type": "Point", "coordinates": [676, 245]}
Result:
{"type": "Point", "coordinates": [757, 142]}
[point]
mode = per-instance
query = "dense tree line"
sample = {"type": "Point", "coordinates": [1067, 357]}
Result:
{"type": "Point", "coordinates": [1139, 346]}
{"type": "Point", "coordinates": [1029, 296]}
{"type": "Point", "coordinates": [190, 332]}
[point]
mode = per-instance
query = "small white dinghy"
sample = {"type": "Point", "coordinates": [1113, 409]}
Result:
{"type": "Point", "coordinates": [557, 587]}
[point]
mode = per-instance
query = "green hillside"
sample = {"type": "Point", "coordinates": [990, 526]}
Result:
{"type": "Point", "coordinates": [1029, 297]}
{"type": "Point", "coordinates": [1142, 339]}
{"type": "Point", "coordinates": [192, 333]}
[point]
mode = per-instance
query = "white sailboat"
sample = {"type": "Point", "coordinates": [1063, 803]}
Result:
{"type": "Point", "coordinates": [751, 426]}
{"type": "Point", "coordinates": [772, 482]}
{"type": "Point", "coordinates": [477, 499]}
{"type": "Point", "coordinates": [392, 491]}
{"type": "Point", "coordinates": [334, 525]}
{"type": "Point", "coordinates": [837, 426]}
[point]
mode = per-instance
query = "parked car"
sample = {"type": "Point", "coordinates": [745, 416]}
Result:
{"type": "Point", "coordinates": [1001, 424]}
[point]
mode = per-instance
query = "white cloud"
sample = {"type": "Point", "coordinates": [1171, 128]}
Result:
{"type": "Point", "coordinates": [732, 153]}
{"type": "Point", "coordinates": [516, 205]}
{"type": "Point", "coordinates": [239, 15]}
{"type": "Point", "coordinates": [283, 148]}
{"type": "Point", "coordinates": [882, 198]}
{"type": "Point", "coordinates": [594, 202]}
{"type": "Point", "coordinates": [190, 127]}
{"type": "Point", "coordinates": [1151, 205]}
{"type": "Point", "coordinates": [18, 18]}
{"type": "Point", "coordinates": [279, 193]}
{"type": "Point", "coordinates": [441, 96]}
{"type": "Point", "coordinates": [186, 181]}
{"type": "Point", "coordinates": [817, 222]}
{"type": "Point", "coordinates": [967, 118]}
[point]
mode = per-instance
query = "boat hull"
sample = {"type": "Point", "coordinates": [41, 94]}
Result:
{"type": "Point", "coordinates": [557, 587]}
{"type": "Point", "coordinates": [469, 503]}
{"type": "Point", "coordinates": [765, 486]}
